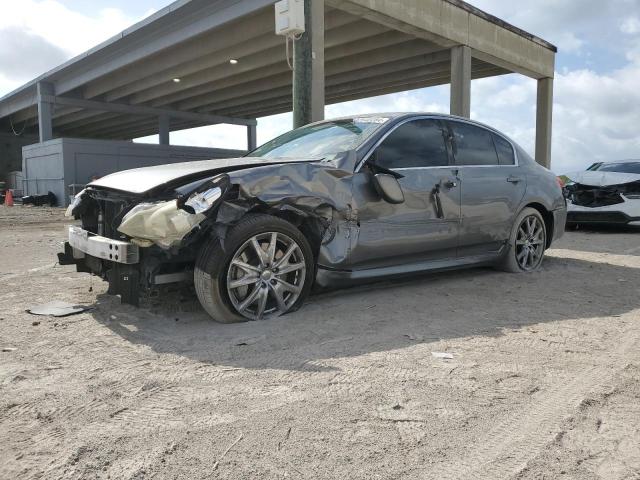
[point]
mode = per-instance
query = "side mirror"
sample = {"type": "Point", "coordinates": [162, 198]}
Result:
{"type": "Point", "coordinates": [388, 188]}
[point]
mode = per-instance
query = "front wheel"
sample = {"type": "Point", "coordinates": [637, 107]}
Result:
{"type": "Point", "coordinates": [265, 270]}
{"type": "Point", "coordinates": [527, 243]}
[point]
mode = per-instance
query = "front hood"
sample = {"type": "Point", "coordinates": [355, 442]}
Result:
{"type": "Point", "coordinates": [602, 179]}
{"type": "Point", "coordinates": [142, 180]}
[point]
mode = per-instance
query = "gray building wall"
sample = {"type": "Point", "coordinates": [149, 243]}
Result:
{"type": "Point", "coordinates": [56, 164]}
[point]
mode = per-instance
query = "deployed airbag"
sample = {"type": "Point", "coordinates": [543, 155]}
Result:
{"type": "Point", "coordinates": [162, 223]}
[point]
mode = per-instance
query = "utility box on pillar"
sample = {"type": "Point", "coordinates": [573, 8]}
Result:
{"type": "Point", "coordinates": [290, 17]}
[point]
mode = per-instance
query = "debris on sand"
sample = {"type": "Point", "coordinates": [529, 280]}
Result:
{"type": "Point", "coordinates": [215, 465]}
{"type": "Point", "coordinates": [245, 342]}
{"type": "Point", "coordinates": [443, 355]}
{"type": "Point", "coordinates": [57, 309]}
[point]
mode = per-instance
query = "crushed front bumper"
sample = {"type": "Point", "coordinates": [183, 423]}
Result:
{"type": "Point", "coordinates": [627, 212]}
{"type": "Point", "coordinates": [113, 260]}
{"type": "Point", "coordinates": [84, 243]}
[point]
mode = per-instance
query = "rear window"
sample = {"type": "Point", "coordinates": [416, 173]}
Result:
{"type": "Point", "coordinates": [505, 151]}
{"type": "Point", "coordinates": [473, 145]}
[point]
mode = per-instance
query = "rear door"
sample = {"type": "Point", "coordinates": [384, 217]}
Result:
{"type": "Point", "coordinates": [492, 187]}
{"type": "Point", "coordinates": [425, 226]}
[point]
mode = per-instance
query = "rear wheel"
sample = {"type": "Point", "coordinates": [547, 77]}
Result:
{"type": "Point", "coordinates": [265, 270]}
{"type": "Point", "coordinates": [527, 243]}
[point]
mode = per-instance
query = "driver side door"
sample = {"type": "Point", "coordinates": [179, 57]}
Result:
{"type": "Point", "coordinates": [426, 225]}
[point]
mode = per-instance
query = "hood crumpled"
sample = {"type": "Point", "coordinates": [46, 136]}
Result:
{"type": "Point", "coordinates": [594, 178]}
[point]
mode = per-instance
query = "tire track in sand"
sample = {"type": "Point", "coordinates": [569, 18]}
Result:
{"type": "Point", "coordinates": [507, 448]}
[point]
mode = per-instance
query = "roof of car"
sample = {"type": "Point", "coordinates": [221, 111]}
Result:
{"type": "Point", "coordinates": [398, 115]}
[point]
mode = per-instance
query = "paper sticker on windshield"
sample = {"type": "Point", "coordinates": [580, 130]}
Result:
{"type": "Point", "coordinates": [370, 120]}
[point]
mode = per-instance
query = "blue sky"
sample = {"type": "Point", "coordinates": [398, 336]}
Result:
{"type": "Point", "coordinates": [597, 87]}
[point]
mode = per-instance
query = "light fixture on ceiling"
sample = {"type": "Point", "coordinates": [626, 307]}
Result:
{"type": "Point", "coordinates": [233, 61]}
{"type": "Point", "coordinates": [177, 80]}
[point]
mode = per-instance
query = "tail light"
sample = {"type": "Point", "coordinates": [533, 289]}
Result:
{"type": "Point", "coordinates": [561, 182]}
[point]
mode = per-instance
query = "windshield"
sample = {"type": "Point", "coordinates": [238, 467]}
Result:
{"type": "Point", "coordinates": [621, 167]}
{"type": "Point", "coordinates": [322, 140]}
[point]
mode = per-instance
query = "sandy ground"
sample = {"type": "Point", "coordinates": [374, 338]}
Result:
{"type": "Point", "coordinates": [544, 380]}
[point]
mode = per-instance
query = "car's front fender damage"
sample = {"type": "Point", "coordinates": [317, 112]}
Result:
{"type": "Point", "coordinates": [170, 231]}
{"type": "Point", "coordinates": [315, 198]}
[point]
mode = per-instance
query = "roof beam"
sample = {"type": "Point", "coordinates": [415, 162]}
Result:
{"type": "Point", "coordinates": [357, 53]}
{"type": "Point", "coordinates": [452, 22]}
{"type": "Point", "coordinates": [169, 63]}
{"type": "Point", "coordinates": [214, 54]}
{"type": "Point", "coordinates": [141, 110]}
{"type": "Point", "coordinates": [129, 129]}
{"type": "Point", "coordinates": [261, 57]}
{"type": "Point", "coordinates": [258, 80]}
{"type": "Point", "coordinates": [337, 77]}
{"type": "Point", "coordinates": [339, 64]}
{"type": "Point", "coordinates": [134, 48]}
{"type": "Point", "coordinates": [343, 28]}
{"type": "Point", "coordinates": [381, 84]}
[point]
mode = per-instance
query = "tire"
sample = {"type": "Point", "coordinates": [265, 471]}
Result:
{"type": "Point", "coordinates": [513, 258]}
{"type": "Point", "coordinates": [228, 273]}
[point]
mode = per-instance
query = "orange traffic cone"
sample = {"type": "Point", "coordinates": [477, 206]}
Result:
{"type": "Point", "coordinates": [8, 198]}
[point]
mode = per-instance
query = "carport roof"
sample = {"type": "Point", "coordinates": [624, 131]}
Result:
{"type": "Point", "coordinates": [118, 89]}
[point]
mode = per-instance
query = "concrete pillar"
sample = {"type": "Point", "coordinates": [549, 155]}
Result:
{"type": "Point", "coordinates": [544, 114]}
{"type": "Point", "coordinates": [164, 129]}
{"type": "Point", "coordinates": [252, 137]}
{"type": "Point", "coordinates": [317, 61]}
{"type": "Point", "coordinates": [308, 64]}
{"type": "Point", "coordinates": [45, 111]}
{"type": "Point", "coordinates": [461, 81]}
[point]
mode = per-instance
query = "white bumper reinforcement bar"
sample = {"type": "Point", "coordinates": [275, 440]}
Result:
{"type": "Point", "coordinates": [84, 242]}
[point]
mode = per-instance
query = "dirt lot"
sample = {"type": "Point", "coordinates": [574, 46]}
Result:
{"type": "Point", "coordinates": [544, 380]}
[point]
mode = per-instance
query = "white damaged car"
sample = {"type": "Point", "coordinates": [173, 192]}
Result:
{"type": "Point", "coordinates": [607, 192]}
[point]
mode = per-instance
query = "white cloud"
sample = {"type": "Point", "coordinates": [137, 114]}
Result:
{"type": "Point", "coordinates": [48, 26]}
{"type": "Point", "coordinates": [570, 42]}
{"type": "Point", "coordinates": [69, 30]}
{"type": "Point", "coordinates": [630, 26]}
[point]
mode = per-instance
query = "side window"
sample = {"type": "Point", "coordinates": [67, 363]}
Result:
{"type": "Point", "coordinates": [505, 151]}
{"type": "Point", "coordinates": [418, 143]}
{"type": "Point", "coordinates": [473, 145]}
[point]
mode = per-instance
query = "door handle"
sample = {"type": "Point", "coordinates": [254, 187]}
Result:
{"type": "Point", "coordinates": [450, 184]}
{"type": "Point", "coordinates": [513, 179]}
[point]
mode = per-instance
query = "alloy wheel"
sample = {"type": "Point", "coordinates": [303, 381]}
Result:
{"type": "Point", "coordinates": [530, 243]}
{"type": "Point", "coordinates": [266, 276]}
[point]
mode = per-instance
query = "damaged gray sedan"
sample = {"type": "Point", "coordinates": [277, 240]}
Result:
{"type": "Point", "coordinates": [330, 204]}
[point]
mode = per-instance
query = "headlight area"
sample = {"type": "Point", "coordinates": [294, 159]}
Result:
{"type": "Point", "coordinates": [76, 201]}
{"type": "Point", "coordinates": [166, 224]}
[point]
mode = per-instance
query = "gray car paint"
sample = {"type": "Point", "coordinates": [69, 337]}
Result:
{"type": "Point", "coordinates": [370, 237]}
{"type": "Point", "coordinates": [365, 237]}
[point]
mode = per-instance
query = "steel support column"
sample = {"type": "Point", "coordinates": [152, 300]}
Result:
{"type": "Point", "coordinates": [164, 129]}
{"type": "Point", "coordinates": [461, 81]}
{"type": "Point", "coordinates": [544, 114]}
{"type": "Point", "coordinates": [45, 111]}
{"type": "Point", "coordinates": [308, 63]}
{"type": "Point", "coordinates": [252, 137]}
